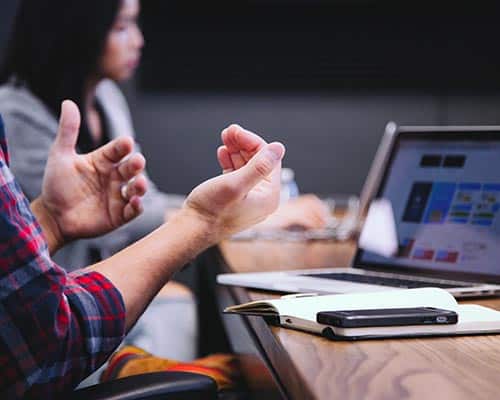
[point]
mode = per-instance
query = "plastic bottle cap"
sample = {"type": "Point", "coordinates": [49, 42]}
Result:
{"type": "Point", "coordinates": [287, 175]}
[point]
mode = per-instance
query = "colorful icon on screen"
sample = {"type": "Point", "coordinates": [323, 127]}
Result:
{"type": "Point", "coordinates": [447, 256]}
{"type": "Point", "coordinates": [423, 254]}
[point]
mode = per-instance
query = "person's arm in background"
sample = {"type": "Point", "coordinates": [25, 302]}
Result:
{"type": "Point", "coordinates": [306, 211]}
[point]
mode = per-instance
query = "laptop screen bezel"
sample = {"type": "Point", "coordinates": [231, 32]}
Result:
{"type": "Point", "coordinates": [463, 133]}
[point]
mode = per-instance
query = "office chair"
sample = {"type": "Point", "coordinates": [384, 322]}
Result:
{"type": "Point", "coordinates": [152, 386]}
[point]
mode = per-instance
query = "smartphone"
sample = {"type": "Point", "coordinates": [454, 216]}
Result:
{"type": "Point", "coordinates": [387, 317]}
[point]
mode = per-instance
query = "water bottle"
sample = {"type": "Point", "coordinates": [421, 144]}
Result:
{"type": "Point", "coordinates": [289, 188]}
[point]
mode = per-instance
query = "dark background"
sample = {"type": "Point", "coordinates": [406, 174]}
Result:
{"type": "Point", "coordinates": [324, 77]}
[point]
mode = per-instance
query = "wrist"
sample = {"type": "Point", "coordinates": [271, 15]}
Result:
{"type": "Point", "coordinates": [202, 229]}
{"type": "Point", "coordinates": [51, 230]}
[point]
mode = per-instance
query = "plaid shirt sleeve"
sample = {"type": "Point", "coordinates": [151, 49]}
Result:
{"type": "Point", "coordinates": [55, 328]}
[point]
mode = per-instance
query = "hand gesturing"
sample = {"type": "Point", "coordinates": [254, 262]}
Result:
{"type": "Point", "coordinates": [83, 193]}
{"type": "Point", "coordinates": [249, 189]}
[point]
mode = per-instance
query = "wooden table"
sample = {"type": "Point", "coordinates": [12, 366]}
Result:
{"type": "Point", "coordinates": [296, 365]}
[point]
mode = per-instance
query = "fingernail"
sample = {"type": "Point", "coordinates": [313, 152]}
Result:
{"type": "Point", "coordinates": [61, 113]}
{"type": "Point", "coordinates": [276, 151]}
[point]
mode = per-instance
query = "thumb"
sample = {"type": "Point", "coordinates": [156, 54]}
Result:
{"type": "Point", "coordinates": [259, 167]}
{"type": "Point", "coordinates": [69, 126]}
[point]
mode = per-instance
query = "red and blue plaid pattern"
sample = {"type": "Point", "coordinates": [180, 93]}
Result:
{"type": "Point", "coordinates": [55, 328]}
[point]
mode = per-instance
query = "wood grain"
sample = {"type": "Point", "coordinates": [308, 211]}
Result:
{"type": "Point", "coordinates": [310, 366]}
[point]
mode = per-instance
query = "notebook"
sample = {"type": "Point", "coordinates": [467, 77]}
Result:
{"type": "Point", "coordinates": [438, 189]}
{"type": "Point", "coordinates": [299, 312]}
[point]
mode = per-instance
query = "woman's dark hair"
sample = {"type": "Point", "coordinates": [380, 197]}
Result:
{"type": "Point", "coordinates": [55, 47]}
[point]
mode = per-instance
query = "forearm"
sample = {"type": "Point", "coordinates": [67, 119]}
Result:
{"type": "Point", "coordinates": [51, 231]}
{"type": "Point", "coordinates": [142, 269]}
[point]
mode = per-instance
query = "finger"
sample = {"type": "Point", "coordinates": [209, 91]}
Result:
{"type": "Point", "coordinates": [132, 166]}
{"type": "Point", "coordinates": [136, 187]}
{"type": "Point", "coordinates": [237, 139]}
{"type": "Point", "coordinates": [224, 159]}
{"type": "Point", "coordinates": [114, 151]}
{"type": "Point", "coordinates": [247, 155]}
{"type": "Point", "coordinates": [259, 167]}
{"type": "Point", "coordinates": [237, 160]}
{"type": "Point", "coordinates": [241, 144]}
{"type": "Point", "coordinates": [132, 209]}
{"type": "Point", "coordinates": [69, 126]}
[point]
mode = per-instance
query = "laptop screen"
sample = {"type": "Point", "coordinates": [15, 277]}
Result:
{"type": "Point", "coordinates": [445, 193]}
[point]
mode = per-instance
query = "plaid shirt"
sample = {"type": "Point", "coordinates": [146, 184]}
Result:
{"type": "Point", "coordinates": [55, 328]}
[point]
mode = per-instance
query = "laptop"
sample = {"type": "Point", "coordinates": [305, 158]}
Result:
{"type": "Point", "coordinates": [443, 184]}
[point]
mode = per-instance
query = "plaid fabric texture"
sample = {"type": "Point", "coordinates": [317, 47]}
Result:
{"type": "Point", "coordinates": [55, 328]}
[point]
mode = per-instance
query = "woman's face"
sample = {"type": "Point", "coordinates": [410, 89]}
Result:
{"type": "Point", "coordinates": [122, 51]}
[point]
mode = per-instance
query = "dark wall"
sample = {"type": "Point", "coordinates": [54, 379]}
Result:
{"type": "Point", "coordinates": [323, 45]}
{"type": "Point", "coordinates": [7, 11]}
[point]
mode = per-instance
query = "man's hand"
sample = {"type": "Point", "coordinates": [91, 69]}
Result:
{"type": "Point", "coordinates": [249, 189]}
{"type": "Point", "coordinates": [82, 195]}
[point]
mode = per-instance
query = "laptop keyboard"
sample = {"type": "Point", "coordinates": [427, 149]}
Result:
{"type": "Point", "coordinates": [384, 281]}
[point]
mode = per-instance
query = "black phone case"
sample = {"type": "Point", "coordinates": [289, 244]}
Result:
{"type": "Point", "coordinates": [427, 317]}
